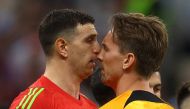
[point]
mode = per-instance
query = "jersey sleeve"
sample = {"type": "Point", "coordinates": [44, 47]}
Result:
{"type": "Point", "coordinates": [32, 98]}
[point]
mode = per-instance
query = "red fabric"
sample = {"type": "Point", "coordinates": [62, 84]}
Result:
{"type": "Point", "coordinates": [53, 97]}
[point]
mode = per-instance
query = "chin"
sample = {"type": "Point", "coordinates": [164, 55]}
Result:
{"type": "Point", "coordinates": [104, 81]}
{"type": "Point", "coordinates": [85, 75]}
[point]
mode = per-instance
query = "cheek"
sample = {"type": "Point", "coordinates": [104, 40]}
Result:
{"type": "Point", "coordinates": [112, 66]}
{"type": "Point", "coordinates": [185, 104]}
{"type": "Point", "coordinates": [82, 53]}
{"type": "Point", "coordinates": [85, 52]}
{"type": "Point", "coordinates": [76, 57]}
{"type": "Point", "coordinates": [108, 59]}
{"type": "Point", "coordinates": [112, 62]}
{"type": "Point", "coordinates": [158, 94]}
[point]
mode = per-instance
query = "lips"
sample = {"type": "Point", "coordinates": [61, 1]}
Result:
{"type": "Point", "coordinates": [100, 65]}
{"type": "Point", "coordinates": [92, 63]}
{"type": "Point", "coordinates": [92, 60]}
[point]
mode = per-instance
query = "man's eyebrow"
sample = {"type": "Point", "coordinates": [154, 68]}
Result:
{"type": "Point", "coordinates": [103, 45]}
{"type": "Point", "coordinates": [92, 35]}
{"type": "Point", "coordinates": [158, 85]}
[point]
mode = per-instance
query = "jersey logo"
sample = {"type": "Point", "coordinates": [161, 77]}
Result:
{"type": "Point", "coordinates": [28, 99]}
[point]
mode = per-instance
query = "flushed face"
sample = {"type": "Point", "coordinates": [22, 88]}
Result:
{"type": "Point", "coordinates": [83, 50]}
{"type": "Point", "coordinates": [111, 61]}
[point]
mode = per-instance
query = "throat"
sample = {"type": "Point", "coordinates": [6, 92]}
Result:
{"type": "Point", "coordinates": [132, 84]}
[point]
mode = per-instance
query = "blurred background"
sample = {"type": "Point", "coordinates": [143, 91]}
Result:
{"type": "Point", "coordinates": [22, 60]}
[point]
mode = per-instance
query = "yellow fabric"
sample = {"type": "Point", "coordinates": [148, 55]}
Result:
{"type": "Point", "coordinates": [146, 105]}
{"type": "Point", "coordinates": [119, 102]}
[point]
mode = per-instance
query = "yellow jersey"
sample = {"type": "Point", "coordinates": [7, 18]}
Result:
{"type": "Point", "coordinates": [137, 99]}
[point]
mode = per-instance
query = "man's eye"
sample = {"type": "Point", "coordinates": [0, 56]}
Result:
{"type": "Point", "coordinates": [157, 88]}
{"type": "Point", "coordinates": [90, 39]}
{"type": "Point", "coordinates": [105, 48]}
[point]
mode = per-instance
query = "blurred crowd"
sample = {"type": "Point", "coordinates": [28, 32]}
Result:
{"type": "Point", "coordinates": [22, 59]}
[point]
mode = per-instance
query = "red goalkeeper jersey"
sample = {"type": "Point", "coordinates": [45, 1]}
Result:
{"type": "Point", "coordinates": [44, 94]}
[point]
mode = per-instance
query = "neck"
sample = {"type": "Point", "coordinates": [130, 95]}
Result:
{"type": "Point", "coordinates": [63, 76]}
{"type": "Point", "coordinates": [131, 81]}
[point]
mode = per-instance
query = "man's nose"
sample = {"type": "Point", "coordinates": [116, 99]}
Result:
{"type": "Point", "coordinates": [99, 56]}
{"type": "Point", "coordinates": [96, 49]}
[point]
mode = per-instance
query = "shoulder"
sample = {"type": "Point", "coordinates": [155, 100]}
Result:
{"type": "Point", "coordinates": [141, 98]}
{"type": "Point", "coordinates": [118, 102]}
{"type": "Point", "coordinates": [136, 100]}
{"type": "Point", "coordinates": [31, 97]}
{"type": "Point", "coordinates": [147, 105]}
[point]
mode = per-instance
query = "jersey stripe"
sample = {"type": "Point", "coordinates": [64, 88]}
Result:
{"type": "Point", "coordinates": [35, 96]}
{"type": "Point", "coordinates": [23, 106]}
{"type": "Point", "coordinates": [31, 89]}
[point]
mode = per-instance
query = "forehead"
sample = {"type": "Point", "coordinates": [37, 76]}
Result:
{"type": "Point", "coordinates": [156, 75]}
{"type": "Point", "coordinates": [108, 38]}
{"type": "Point", "coordinates": [86, 29]}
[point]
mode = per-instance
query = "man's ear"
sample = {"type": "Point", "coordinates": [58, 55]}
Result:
{"type": "Point", "coordinates": [61, 47]}
{"type": "Point", "coordinates": [128, 60]}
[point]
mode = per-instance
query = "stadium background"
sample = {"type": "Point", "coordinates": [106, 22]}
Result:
{"type": "Point", "coordinates": [22, 59]}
